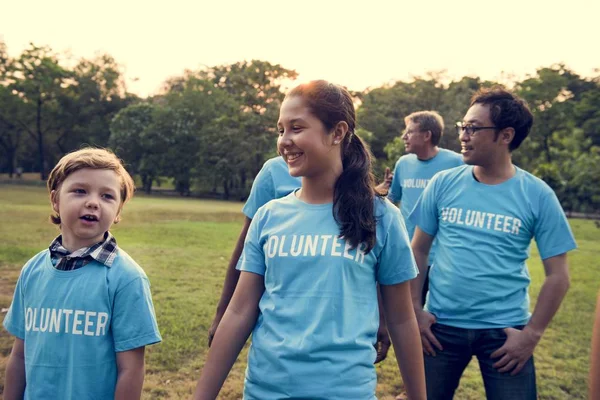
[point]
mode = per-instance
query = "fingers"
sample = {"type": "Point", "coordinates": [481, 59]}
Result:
{"type": "Point", "coordinates": [501, 363]}
{"type": "Point", "coordinates": [518, 368]}
{"type": "Point", "coordinates": [508, 367]}
{"type": "Point", "coordinates": [498, 353]}
{"type": "Point", "coordinates": [427, 347]}
{"type": "Point", "coordinates": [431, 337]}
{"type": "Point", "coordinates": [382, 351]}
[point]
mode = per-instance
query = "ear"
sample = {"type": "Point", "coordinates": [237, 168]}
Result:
{"type": "Point", "coordinates": [339, 132]}
{"type": "Point", "coordinates": [506, 135]}
{"type": "Point", "coordinates": [54, 200]}
{"type": "Point", "coordinates": [427, 136]}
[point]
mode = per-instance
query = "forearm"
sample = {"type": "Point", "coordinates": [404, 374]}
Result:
{"type": "Point", "coordinates": [416, 285]}
{"type": "Point", "coordinates": [14, 381]}
{"type": "Point", "coordinates": [409, 354]}
{"type": "Point", "coordinates": [551, 296]}
{"type": "Point", "coordinates": [129, 384]}
{"type": "Point", "coordinates": [232, 333]}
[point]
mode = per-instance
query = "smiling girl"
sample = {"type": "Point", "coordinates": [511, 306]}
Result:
{"type": "Point", "coordinates": [310, 268]}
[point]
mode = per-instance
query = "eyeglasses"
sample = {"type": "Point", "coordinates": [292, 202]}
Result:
{"type": "Point", "coordinates": [471, 130]}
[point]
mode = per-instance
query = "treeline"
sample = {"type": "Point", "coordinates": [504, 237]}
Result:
{"type": "Point", "coordinates": [210, 130]}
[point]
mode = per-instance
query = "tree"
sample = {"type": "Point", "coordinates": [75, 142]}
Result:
{"type": "Point", "coordinates": [38, 79]}
{"type": "Point", "coordinates": [130, 141]}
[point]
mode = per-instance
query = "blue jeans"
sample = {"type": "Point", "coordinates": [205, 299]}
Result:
{"type": "Point", "coordinates": [443, 372]}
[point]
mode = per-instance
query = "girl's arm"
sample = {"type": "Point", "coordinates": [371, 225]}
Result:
{"type": "Point", "coordinates": [404, 332]}
{"type": "Point", "coordinates": [14, 381]}
{"type": "Point", "coordinates": [232, 333]}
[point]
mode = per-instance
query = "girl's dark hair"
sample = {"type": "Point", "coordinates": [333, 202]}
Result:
{"type": "Point", "coordinates": [354, 192]}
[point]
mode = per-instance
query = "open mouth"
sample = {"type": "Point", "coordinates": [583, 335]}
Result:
{"type": "Point", "coordinates": [89, 218]}
{"type": "Point", "coordinates": [290, 157]}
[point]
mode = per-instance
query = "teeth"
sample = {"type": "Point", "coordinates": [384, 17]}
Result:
{"type": "Point", "coordinates": [90, 218]}
{"type": "Point", "coordinates": [293, 156]}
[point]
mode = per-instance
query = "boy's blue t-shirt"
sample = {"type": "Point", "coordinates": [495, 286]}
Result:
{"type": "Point", "coordinates": [272, 182]}
{"type": "Point", "coordinates": [318, 321]}
{"type": "Point", "coordinates": [479, 277]}
{"type": "Point", "coordinates": [411, 176]}
{"type": "Point", "coordinates": [74, 322]}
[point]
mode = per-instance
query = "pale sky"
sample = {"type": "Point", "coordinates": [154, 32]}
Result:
{"type": "Point", "coordinates": [356, 44]}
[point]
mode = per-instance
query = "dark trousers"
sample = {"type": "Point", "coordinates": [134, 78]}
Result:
{"type": "Point", "coordinates": [443, 372]}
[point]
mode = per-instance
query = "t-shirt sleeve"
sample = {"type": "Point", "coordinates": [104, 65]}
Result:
{"type": "Point", "coordinates": [133, 321]}
{"type": "Point", "coordinates": [396, 262]}
{"type": "Point", "coordinates": [261, 193]}
{"type": "Point", "coordinates": [553, 234]}
{"type": "Point", "coordinates": [425, 213]}
{"type": "Point", "coordinates": [253, 255]}
{"type": "Point", "coordinates": [395, 192]}
{"type": "Point", "coordinates": [14, 321]}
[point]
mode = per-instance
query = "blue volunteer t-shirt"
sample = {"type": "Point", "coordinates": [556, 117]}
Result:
{"type": "Point", "coordinates": [74, 322]}
{"type": "Point", "coordinates": [411, 176]}
{"type": "Point", "coordinates": [479, 278]}
{"type": "Point", "coordinates": [318, 321]}
{"type": "Point", "coordinates": [272, 182]}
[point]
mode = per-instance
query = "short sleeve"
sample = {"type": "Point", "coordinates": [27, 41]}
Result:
{"type": "Point", "coordinates": [396, 262]}
{"type": "Point", "coordinates": [425, 213]}
{"type": "Point", "coordinates": [553, 234]}
{"type": "Point", "coordinates": [133, 321]}
{"type": "Point", "coordinates": [14, 321]}
{"type": "Point", "coordinates": [253, 256]}
{"type": "Point", "coordinates": [395, 192]}
{"type": "Point", "coordinates": [261, 193]}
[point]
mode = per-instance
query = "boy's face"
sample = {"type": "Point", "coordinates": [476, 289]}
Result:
{"type": "Point", "coordinates": [88, 202]}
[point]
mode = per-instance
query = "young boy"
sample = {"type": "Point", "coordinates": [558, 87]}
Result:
{"type": "Point", "coordinates": [82, 310]}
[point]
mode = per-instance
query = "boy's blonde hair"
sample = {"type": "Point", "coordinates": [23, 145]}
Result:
{"type": "Point", "coordinates": [93, 158]}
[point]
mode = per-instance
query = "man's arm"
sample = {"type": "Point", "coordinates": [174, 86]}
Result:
{"type": "Point", "coordinates": [231, 279]}
{"type": "Point", "coordinates": [404, 331]}
{"type": "Point", "coordinates": [519, 345]}
{"type": "Point", "coordinates": [130, 375]}
{"type": "Point", "coordinates": [595, 357]}
{"type": "Point", "coordinates": [14, 381]}
{"type": "Point", "coordinates": [421, 244]}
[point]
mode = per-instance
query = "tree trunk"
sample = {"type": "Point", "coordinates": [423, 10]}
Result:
{"type": "Point", "coordinates": [40, 138]}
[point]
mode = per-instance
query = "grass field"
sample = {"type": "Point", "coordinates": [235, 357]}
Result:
{"type": "Point", "coordinates": [184, 246]}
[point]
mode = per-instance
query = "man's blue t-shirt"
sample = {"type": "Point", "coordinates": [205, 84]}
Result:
{"type": "Point", "coordinates": [479, 278]}
{"type": "Point", "coordinates": [411, 176]}
{"type": "Point", "coordinates": [318, 321]}
{"type": "Point", "coordinates": [272, 182]}
{"type": "Point", "coordinates": [74, 322]}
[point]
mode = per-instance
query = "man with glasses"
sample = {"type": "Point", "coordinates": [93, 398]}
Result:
{"type": "Point", "coordinates": [483, 216]}
{"type": "Point", "coordinates": [412, 172]}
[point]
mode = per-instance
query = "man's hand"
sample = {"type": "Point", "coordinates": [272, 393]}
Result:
{"type": "Point", "coordinates": [384, 186]}
{"type": "Point", "coordinates": [383, 343]}
{"type": "Point", "coordinates": [213, 327]}
{"type": "Point", "coordinates": [517, 349]}
{"type": "Point", "coordinates": [425, 320]}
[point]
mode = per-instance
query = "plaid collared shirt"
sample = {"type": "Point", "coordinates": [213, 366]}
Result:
{"type": "Point", "coordinates": [104, 252]}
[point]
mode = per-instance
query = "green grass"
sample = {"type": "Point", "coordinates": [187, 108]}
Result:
{"type": "Point", "coordinates": [184, 245]}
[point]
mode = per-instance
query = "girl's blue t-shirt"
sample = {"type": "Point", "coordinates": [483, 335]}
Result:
{"type": "Point", "coordinates": [319, 316]}
{"type": "Point", "coordinates": [479, 278]}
